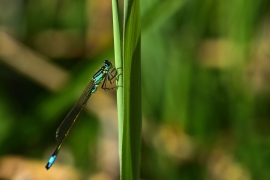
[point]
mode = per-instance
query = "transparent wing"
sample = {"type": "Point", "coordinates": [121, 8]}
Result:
{"type": "Point", "coordinates": [64, 128]}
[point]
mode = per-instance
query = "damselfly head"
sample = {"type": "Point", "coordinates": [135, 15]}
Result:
{"type": "Point", "coordinates": [107, 64]}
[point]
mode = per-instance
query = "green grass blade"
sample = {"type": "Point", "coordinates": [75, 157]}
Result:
{"type": "Point", "coordinates": [128, 56]}
{"type": "Point", "coordinates": [118, 63]}
{"type": "Point", "coordinates": [160, 13]}
{"type": "Point", "coordinates": [131, 132]}
{"type": "Point", "coordinates": [117, 34]}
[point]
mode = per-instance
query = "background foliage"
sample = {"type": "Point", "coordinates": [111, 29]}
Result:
{"type": "Point", "coordinates": [205, 92]}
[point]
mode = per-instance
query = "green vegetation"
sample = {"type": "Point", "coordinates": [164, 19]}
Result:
{"type": "Point", "coordinates": [203, 76]}
{"type": "Point", "coordinates": [129, 98]}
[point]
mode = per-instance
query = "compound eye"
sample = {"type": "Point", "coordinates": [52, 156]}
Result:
{"type": "Point", "coordinates": [107, 63]}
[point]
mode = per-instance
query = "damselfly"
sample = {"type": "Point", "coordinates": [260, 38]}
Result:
{"type": "Point", "coordinates": [104, 74]}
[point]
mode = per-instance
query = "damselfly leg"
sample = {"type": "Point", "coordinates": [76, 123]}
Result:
{"type": "Point", "coordinates": [112, 76]}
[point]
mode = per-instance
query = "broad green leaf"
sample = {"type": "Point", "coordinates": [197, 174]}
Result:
{"type": "Point", "coordinates": [129, 95]}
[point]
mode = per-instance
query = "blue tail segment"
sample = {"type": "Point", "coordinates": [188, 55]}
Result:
{"type": "Point", "coordinates": [54, 156]}
{"type": "Point", "coordinates": [51, 160]}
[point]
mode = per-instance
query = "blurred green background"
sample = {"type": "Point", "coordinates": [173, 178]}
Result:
{"type": "Point", "coordinates": [205, 85]}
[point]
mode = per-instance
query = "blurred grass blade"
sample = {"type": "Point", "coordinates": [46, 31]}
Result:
{"type": "Point", "coordinates": [160, 12]}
